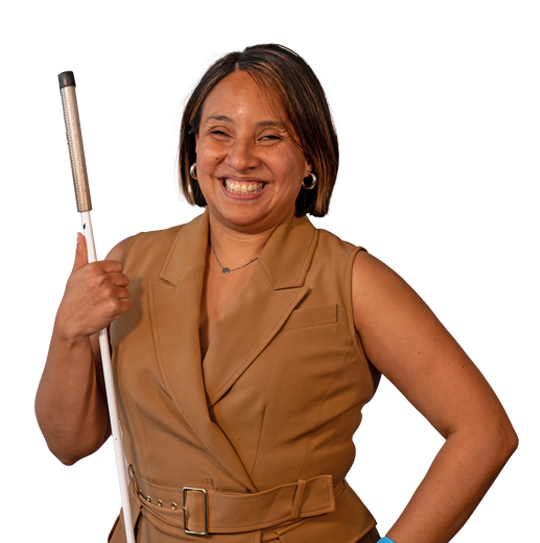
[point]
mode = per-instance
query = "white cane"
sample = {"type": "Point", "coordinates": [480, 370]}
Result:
{"type": "Point", "coordinates": [84, 206]}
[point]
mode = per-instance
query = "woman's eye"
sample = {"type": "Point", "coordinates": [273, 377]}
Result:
{"type": "Point", "coordinates": [218, 133]}
{"type": "Point", "coordinates": [270, 137]}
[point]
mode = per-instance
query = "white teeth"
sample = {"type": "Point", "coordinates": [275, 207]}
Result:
{"type": "Point", "coordinates": [242, 188]}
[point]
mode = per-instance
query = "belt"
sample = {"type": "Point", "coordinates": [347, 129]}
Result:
{"type": "Point", "coordinates": [200, 511]}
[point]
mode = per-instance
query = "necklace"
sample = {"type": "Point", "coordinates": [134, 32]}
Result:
{"type": "Point", "coordinates": [226, 271]}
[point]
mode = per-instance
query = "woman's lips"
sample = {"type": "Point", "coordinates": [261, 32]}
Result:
{"type": "Point", "coordinates": [242, 187]}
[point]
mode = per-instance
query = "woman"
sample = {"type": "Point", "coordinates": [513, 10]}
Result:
{"type": "Point", "coordinates": [249, 341]}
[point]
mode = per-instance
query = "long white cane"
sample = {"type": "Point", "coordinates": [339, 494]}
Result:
{"type": "Point", "coordinates": [84, 206]}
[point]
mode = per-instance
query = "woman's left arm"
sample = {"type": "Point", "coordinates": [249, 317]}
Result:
{"type": "Point", "coordinates": [404, 340]}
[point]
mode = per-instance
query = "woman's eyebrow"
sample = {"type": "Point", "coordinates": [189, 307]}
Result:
{"type": "Point", "coordinates": [220, 118]}
{"type": "Point", "coordinates": [224, 118]}
{"type": "Point", "coordinates": [277, 124]}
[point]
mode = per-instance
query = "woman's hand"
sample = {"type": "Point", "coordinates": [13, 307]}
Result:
{"type": "Point", "coordinates": [71, 406]}
{"type": "Point", "coordinates": [404, 340]}
{"type": "Point", "coordinates": [95, 295]}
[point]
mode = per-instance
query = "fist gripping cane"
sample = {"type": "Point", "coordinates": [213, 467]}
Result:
{"type": "Point", "coordinates": [84, 206]}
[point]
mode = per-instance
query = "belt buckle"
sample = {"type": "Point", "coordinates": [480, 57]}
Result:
{"type": "Point", "coordinates": [185, 490]}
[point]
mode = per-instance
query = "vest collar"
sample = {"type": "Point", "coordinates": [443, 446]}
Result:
{"type": "Point", "coordinates": [285, 258]}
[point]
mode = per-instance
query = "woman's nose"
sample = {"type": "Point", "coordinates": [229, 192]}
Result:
{"type": "Point", "coordinates": [242, 155]}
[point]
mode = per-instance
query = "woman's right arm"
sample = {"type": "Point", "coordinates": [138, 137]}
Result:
{"type": "Point", "coordinates": [71, 407]}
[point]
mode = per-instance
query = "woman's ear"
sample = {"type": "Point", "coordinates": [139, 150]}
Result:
{"type": "Point", "coordinates": [196, 143]}
{"type": "Point", "coordinates": [309, 167]}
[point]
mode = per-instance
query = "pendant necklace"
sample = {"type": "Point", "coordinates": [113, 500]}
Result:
{"type": "Point", "coordinates": [226, 271]}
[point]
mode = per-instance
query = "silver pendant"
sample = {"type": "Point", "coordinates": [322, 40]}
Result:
{"type": "Point", "coordinates": [225, 271]}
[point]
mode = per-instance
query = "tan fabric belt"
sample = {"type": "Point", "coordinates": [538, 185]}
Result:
{"type": "Point", "coordinates": [201, 511]}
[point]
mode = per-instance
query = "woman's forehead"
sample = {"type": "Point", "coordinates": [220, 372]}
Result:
{"type": "Point", "coordinates": [239, 96]}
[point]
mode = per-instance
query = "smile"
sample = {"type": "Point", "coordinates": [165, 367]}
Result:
{"type": "Point", "coordinates": [236, 187]}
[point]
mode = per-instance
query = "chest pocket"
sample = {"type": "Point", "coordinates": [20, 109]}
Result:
{"type": "Point", "coordinates": [309, 317]}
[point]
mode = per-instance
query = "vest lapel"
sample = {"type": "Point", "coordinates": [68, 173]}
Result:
{"type": "Point", "coordinates": [274, 289]}
{"type": "Point", "coordinates": [174, 312]}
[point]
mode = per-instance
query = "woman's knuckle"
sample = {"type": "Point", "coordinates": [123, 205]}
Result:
{"type": "Point", "coordinates": [110, 290]}
{"type": "Point", "coordinates": [94, 268]}
{"type": "Point", "coordinates": [112, 306]}
{"type": "Point", "coordinates": [123, 292]}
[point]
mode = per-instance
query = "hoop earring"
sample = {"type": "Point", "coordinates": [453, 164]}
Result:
{"type": "Point", "coordinates": [193, 171]}
{"type": "Point", "coordinates": [313, 182]}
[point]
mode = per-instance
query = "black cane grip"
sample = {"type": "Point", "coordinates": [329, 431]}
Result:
{"type": "Point", "coordinates": [66, 79]}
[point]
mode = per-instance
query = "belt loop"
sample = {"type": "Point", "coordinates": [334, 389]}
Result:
{"type": "Point", "coordinates": [297, 502]}
{"type": "Point", "coordinates": [131, 473]}
{"type": "Point", "coordinates": [134, 485]}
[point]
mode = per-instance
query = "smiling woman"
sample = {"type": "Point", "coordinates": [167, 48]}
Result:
{"type": "Point", "coordinates": [297, 105]}
{"type": "Point", "coordinates": [249, 341]}
{"type": "Point", "coordinates": [249, 168]}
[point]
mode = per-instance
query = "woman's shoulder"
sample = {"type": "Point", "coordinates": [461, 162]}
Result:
{"type": "Point", "coordinates": [143, 241]}
{"type": "Point", "coordinates": [117, 252]}
{"type": "Point", "coordinates": [329, 240]}
{"type": "Point", "coordinates": [374, 280]}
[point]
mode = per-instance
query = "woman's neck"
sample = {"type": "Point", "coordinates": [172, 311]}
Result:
{"type": "Point", "coordinates": [234, 248]}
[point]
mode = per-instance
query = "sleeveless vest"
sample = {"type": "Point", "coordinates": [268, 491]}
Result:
{"type": "Point", "coordinates": [252, 443]}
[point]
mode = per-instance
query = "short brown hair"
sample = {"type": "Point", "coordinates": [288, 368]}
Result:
{"type": "Point", "coordinates": [287, 75]}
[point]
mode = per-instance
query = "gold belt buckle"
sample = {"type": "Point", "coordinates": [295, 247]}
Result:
{"type": "Point", "coordinates": [185, 490]}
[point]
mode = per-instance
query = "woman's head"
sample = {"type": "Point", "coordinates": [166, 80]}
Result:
{"type": "Point", "coordinates": [285, 77]}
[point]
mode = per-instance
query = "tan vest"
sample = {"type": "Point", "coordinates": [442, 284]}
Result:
{"type": "Point", "coordinates": [263, 426]}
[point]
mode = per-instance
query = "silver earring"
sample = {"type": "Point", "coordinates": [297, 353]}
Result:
{"type": "Point", "coordinates": [193, 171]}
{"type": "Point", "coordinates": [313, 182]}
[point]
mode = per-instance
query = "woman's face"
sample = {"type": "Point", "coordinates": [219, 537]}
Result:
{"type": "Point", "coordinates": [249, 166]}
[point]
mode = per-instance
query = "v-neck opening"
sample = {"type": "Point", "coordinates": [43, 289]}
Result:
{"type": "Point", "coordinates": [219, 322]}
